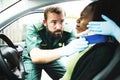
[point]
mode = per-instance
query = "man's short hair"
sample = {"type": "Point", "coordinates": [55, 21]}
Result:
{"type": "Point", "coordinates": [53, 9]}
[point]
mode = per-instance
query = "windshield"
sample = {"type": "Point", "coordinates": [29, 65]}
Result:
{"type": "Point", "coordinates": [5, 4]}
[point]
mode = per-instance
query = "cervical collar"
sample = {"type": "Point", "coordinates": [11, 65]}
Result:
{"type": "Point", "coordinates": [92, 39]}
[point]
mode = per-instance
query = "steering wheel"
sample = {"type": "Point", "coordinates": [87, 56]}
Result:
{"type": "Point", "coordinates": [9, 58]}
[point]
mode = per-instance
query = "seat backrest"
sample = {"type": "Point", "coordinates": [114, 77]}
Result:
{"type": "Point", "coordinates": [112, 71]}
{"type": "Point", "coordinates": [94, 61]}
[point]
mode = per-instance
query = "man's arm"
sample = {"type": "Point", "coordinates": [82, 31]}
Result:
{"type": "Point", "coordinates": [45, 56]}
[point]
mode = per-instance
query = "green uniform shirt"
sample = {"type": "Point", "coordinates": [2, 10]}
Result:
{"type": "Point", "coordinates": [36, 36]}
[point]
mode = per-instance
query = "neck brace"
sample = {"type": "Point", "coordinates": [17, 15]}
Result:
{"type": "Point", "coordinates": [96, 38]}
{"type": "Point", "coordinates": [91, 37]}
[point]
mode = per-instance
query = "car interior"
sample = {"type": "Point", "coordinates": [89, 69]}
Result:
{"type": "Point", "coordinates": [12, 41]}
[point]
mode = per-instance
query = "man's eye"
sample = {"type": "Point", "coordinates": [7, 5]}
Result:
{"type": "Point", "coordinates": [62, 22]}
{"type": "Point", "coordinates": [54, 22]}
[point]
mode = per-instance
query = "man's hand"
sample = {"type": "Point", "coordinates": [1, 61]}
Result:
{"type": "Point", "coordinates": [107, 27]}
{"type": "Point", "coordinates": [74, 46]}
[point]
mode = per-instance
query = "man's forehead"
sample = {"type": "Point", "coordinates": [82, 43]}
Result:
{"type": "Point", "coordinates": [55, 16]}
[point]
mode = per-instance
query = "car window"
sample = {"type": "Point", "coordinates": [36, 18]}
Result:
{"type": "Point", "coordinates": [16, 31]}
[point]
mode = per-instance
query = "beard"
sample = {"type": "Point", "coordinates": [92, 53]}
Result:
{"type": "Point", "coordinates": [55, 34]}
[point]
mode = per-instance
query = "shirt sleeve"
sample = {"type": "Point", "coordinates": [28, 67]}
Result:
{"type": "Point", "coordinates": [32, 38]}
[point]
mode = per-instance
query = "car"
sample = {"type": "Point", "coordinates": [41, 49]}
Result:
{"type": "Point", "coordinates": [14, 17]}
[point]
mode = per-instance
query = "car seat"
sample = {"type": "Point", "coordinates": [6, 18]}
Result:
{"type": "Point", "coordinates": [112, 71]}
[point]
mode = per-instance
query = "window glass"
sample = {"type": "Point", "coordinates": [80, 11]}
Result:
{"type": "Point", "coordinates": [16, 31]}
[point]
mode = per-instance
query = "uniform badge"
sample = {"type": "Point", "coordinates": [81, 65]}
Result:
{"type": "Point", "coordinates": [59, 44]}
{"type": "Point", "coordinates": [43, 44]}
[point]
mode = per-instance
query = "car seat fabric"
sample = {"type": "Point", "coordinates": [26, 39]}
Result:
{"type": "Point", "coordinates": [93, 61]}
{"type": "Point", "coordinates": [112, 71]}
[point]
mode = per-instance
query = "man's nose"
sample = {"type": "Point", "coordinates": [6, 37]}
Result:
{"type": "Point", "coordinates": [58, 26]}
{"type": "Point", "coordinates": [78, 20]}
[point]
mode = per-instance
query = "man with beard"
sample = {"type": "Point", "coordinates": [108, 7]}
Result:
{"type": "Point", "coordinates": [44, 43]}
